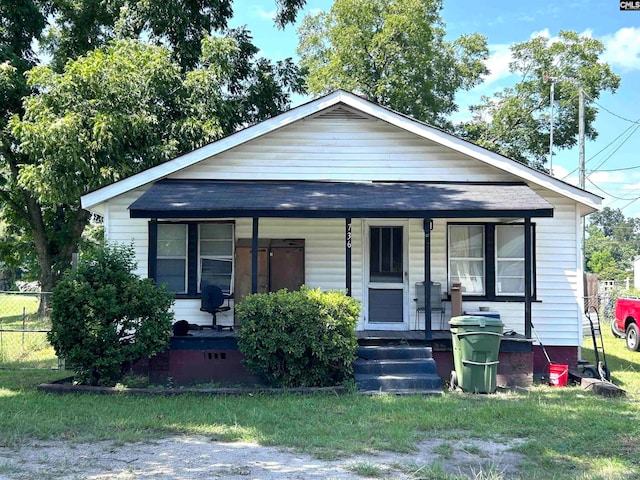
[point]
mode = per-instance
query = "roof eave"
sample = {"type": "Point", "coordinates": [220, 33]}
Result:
{"type": "Point", "coordinates": [451, 214]}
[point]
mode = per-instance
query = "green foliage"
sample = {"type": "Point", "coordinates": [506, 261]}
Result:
{"type": "Point", "coordinates": [394, 53]}
{"type": "Point", "coordinates": [602, 263]}
{"type": "Point", "coordinates": [105, 114]}
{"type": "Point", "coordinates": [611, 244]}
{"type": "Point", "coordinates": [515, 121]}
{"type": "Point", "coordinates": [105, 317]}
{"type": "Point", "coordinates": [304, 338]}
{"type": "Point", "coordinates": [128, 85]}
{"type": "Point", "coordinates": [82, 25]}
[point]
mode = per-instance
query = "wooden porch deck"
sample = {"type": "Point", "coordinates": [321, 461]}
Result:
{"type": "Point", "coordinates": [407, 335]}
{"type": "Point", "coordinates": [440, 339]}
{"type": "Point", "coordinates": [410, 335]}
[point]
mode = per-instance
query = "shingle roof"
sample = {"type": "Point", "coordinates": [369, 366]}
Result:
{"type": "Point", "coordinates": [310, 199]}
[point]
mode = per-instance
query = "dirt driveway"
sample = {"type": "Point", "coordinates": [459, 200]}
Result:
{"type": "Point", "coordinates": [190, 458]}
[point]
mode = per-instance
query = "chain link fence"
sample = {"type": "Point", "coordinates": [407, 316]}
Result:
{"type": "Point", "coordinates": [24, 323]}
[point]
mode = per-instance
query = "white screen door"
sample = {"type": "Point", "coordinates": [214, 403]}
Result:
{"type": "Point", "coordinates": [386, 277]}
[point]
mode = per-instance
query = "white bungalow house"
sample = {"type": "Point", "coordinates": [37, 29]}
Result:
{"type": "Point", "coordinates": [341, 193]}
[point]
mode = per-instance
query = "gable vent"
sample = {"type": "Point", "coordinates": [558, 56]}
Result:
{"type": "Point", "coordinates": [342, 113]}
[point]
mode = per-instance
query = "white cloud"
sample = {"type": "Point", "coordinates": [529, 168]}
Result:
{"type": "Point", "coordinates": [259, 12]}
{"type": "Point", "coordinates": [601, 178]}
{"type": "Point", "coordinates": [623, 48]}
{"type": "Point", "coordinates": [631, 188]}
{"type": "Point", "coordinates": [561, 172]}
{"type": "Point", "coordinates": [542, 33]}
{"type": "Point", "coordinates": [498, 63]}
{"type": "Point", "coordinates": [500, 57]}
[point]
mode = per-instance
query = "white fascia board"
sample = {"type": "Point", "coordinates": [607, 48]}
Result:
{"type": "Point", "coordinates": [188, 159]}
{"type": "Point", "coordinates": [594, 202]}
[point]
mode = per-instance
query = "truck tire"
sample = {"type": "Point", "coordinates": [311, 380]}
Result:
{"type": "Point", "coordinates": [633, 340]}
{"type": "Point", "coordinates": [614, 329]}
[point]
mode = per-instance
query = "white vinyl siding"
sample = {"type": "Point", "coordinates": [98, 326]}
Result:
{"type": "Point", "coordinates": [342, 150]}
{"type": "Point", "coordinates": [120, 228]}
{"type": "Point", "coordinates": [366, 150]}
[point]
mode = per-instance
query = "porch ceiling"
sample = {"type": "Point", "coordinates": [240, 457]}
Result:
{"type": "Point", "coordinates": [313, 199]}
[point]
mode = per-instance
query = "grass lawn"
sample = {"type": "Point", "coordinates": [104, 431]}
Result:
{"type": "Point", "coordinates": [567, 433]}
{"type": "Point", "coordinates": [24, 350]}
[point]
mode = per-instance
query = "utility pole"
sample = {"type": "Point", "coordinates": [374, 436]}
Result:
{"type": "Point", "coordinates": [581, 169]}
{"type": "Point", "coordinates": [581, 137]}
{"type": "Point", "coordinates": [546, 79]}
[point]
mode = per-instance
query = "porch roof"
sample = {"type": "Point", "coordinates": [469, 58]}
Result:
{"type": "Point", "coordinates": [314, 199]}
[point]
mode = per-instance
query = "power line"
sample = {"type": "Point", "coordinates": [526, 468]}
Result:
{"type": "Point", "coordinates": [632, 201]}
{"type": "Point", "coordinates": [609, 194]}
{"type": "Point", "coordinates": [619, 169]}
{"type": "Point", "coordinates": [610, 112]}
{"type": "Point", "coordinates": [634, 123]}
{"type": "Point", "coordinates": [617, 148]}
{"type": "Point", "coordinates": [602, 150]}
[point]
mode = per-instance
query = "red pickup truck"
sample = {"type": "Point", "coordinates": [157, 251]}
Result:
{"type": "Point", "coordinates": [626, 322]}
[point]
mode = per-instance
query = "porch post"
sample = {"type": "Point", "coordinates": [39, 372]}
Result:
{"type": "Point", "coordinates": [254, 257]}
{"type": "Point", "coordinates": [528, 277]}
{"type": "Point", "coordinates": [427, 278]}
{"type": "Point", "coordinates": [348, 235]}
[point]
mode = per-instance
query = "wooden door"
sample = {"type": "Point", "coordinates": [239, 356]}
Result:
{"type": "Point", "coordinates": [286, 269]}
{"type": "Point", "coordinates": [242, 280]}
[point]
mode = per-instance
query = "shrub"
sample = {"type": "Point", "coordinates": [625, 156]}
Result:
{"type": "Point", "coordinates": [104, 316]}
{"type": "Point", "coordinates": [299, 339]}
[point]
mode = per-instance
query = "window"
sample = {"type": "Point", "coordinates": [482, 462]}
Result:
{"type": "Point", "coordinates": [386, 262]}
{"type": "Point", "coordinates": [171, 266]}
{"type": "Point", "coordinates": [216, 255]}
{"type": "Point", "coordinates": [466, 258]}
{"type": "Point", "coordinates": [488, 260]}
{"type": "Point", "coordinates": [185, 256]}
{"type": "Point", "coordinates": [509, 260]}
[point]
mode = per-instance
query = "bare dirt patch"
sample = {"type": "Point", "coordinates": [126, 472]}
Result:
{"type": "Point", "coordinates": [191, 458]}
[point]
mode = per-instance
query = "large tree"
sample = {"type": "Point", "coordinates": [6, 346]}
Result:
{"type": "Point", "coordinates": [515, 121]}
{"type": "Point", "coordinates": [129, 85]}
{"type": "Point", "coordinates": [393, 52]}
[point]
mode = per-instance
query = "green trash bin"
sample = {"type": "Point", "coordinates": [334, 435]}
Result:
{"type": "Point", "coordinates": [476, 344]}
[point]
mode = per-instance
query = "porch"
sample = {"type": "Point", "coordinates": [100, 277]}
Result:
{"type": "Point", "coordinates": [377, 236]}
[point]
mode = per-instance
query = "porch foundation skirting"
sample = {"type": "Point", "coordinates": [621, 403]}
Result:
{"type": "Point", "coordinates": [199, 359]}
{"type": "Point", "coordinates": [214, 357]}
{"type": "Point", "coordinates": [564, 355]}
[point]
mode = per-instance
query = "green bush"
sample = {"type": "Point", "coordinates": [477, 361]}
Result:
{"type": "Point", "coordinates": [299, 339]}
{"type": "Point", "coordinates": [104, 317]}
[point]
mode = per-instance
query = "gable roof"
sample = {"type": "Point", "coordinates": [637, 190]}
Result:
{"type": "Point", "coordinates": [527, 174]}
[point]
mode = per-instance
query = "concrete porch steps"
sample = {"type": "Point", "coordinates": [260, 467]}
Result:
{"type": "Point", "coordinates": [396, 369]}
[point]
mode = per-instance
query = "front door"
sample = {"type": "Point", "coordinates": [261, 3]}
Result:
{"type": "Point", "coordinates": [386, 277]}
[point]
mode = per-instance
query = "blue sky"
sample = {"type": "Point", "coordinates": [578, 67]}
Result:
{"type": "Point", "coordinates": [613, 159]}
